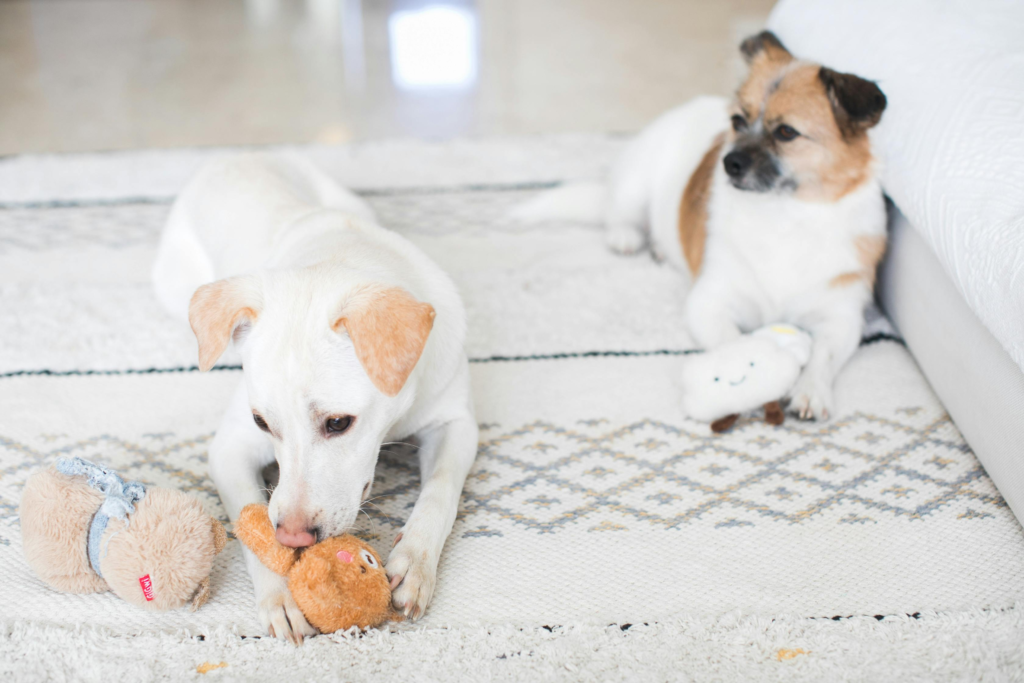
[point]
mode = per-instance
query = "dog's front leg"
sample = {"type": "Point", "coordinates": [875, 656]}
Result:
{"type": "Point", "coordinates": [836, 334]}
{"type": "Point", "coordinates": [238, 454]}
{"type": "Point", "coordinates": [446, 454]}
{"type": "Point", "coordinates": [708, 312]}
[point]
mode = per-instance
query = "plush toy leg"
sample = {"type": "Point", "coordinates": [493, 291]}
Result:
{"type": "Point", "coordinates": [254, 529]}
{"type": "Point", "coordinates": [202, 594]}
{"type": "Point", "coordinates": [724, 424]}
{"type": "Point", "coordinates": [773, 413]}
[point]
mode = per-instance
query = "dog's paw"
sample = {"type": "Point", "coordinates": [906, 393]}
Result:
{"type": "Point", "coordinates": [280, 615]}
{"type": "Point", "coordinates": [412, 570]}
{"type": "Point", "coordinates": [811, 398]}
{"type": "Point", "coordinates": [625, 239]}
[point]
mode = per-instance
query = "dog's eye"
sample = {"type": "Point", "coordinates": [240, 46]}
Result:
{"type": "Point", "coordinates": [260, 422]}
{"type": "Point", "coordinates": [716, 379]}
{"type": "Point", "coordinates": [368, 558]}
{"type": "Point", "coordinates": [337, 425]}
{"type": "Point", "coordinates": [738, 123]}
{"type": "Point", "coordinates": [785, 133]}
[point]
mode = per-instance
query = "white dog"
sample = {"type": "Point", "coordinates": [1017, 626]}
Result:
{"type": "Point", "coordinates": [350, 337]}
{"type": "Point", "coordinates": [778, 217]}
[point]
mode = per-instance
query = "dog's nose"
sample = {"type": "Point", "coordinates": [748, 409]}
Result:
{"type": "Point", "coordinates": [295, 533]}
{"type": "Point", "coordinates": [736, 163]}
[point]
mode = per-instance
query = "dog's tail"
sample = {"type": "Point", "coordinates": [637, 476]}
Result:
{"type": "Point", "coordinates": [579, 202]}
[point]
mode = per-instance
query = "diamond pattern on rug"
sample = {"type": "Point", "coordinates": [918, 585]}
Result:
{"type": "Point", "coordinates": [544, 478]}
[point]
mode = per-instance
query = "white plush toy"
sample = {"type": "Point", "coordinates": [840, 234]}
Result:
{"type": "Point", "coordinates": [752, 371]}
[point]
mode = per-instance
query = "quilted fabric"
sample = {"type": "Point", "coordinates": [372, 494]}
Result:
{"type": "Point", "coordinates": [952, 138]}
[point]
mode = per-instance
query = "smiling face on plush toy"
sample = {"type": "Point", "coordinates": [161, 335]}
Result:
{"type": "Point", "coordinates": [741, 376]}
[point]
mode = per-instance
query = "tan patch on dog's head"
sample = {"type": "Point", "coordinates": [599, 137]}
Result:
{"type": "Point", "coordinates": [216, 310]}
{"type": "Point", "coordinates": [388, 329]}
{"type": "Point", "coordinates": [766, 56]}
{"type": "Point", "coordinates": [800, 126]}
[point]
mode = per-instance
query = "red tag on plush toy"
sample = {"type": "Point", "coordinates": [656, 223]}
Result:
{"type": "Point", "coordinates": [147, 587]}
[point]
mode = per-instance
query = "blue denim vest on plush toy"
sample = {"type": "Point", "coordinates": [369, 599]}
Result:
{"type": "Point", "coordinates": [119, 501]}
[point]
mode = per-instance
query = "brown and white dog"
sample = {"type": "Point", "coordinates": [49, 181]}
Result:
{"type": "Point", "coordinates": [770, 203]}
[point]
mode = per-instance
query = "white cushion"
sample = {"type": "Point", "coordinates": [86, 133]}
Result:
{"type": "Point", "coordinates": [952, 137]}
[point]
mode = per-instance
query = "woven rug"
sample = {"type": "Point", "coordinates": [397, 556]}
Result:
{"type": "Point", "coordinates": [593, 502]}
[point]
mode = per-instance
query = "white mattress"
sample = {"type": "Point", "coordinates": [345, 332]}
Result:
{"type": "Point", "coordinates": [952, 138]}
{"type": "Point", "coordinates": [982, 390]}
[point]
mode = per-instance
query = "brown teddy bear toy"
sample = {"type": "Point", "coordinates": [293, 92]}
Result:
{"type": "Point", "coordinates": [337, 583]}
{"type": "Point", "coordinates": [85, 530]}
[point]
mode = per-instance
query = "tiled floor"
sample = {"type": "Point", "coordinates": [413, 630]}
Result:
{"type": "Point", "coordinates": [113, 74]}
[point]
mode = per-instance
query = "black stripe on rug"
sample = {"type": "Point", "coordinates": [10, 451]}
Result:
{"type": "Point", "coordinates": [570, 355]}
{"type": "Point", "coordinates": [366, 192]}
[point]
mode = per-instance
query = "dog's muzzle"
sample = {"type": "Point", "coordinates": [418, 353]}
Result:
{"type": "Point", "coordinates": [751, 168]}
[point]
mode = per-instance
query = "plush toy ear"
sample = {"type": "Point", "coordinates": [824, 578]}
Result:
{"type": "Point", "coordinates": [388, 329]}
{"type": "Point", "coordinates": [253, 528]}
{"type": "Point", "coordinates": [217, 309]}
{"type": "Point", "coordinates": [220, 536]}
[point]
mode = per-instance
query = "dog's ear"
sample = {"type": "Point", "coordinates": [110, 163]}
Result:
{"type": "Point", "coordinates": [857, 103]}
{"type": "Point", "coordinates": [765, 46]}
{"type": "Point", "coordinates": [388, 328]}
{"type": "Point", "coordinates": [217, 309]}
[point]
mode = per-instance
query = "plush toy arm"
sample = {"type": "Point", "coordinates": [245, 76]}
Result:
{"type": "Point", "coordinates": [724, 424]}
{"type": "Point", "coordinates": [254, 529]}
{"type": "Point", "coordinates": [773, 413]}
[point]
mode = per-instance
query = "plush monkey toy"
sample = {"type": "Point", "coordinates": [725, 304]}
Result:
{"type": "Point", "coordinates": [337, 583]}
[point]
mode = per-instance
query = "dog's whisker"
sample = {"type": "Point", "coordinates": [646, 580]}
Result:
{"type": "Point", "coordinates": [379, 510]}
{"type": "Point", "coordinates": [351, 528]}
{"type": "Point", "coordinates": [400, 443]}
{"type": "Point", "coordinates": [373, 527]}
